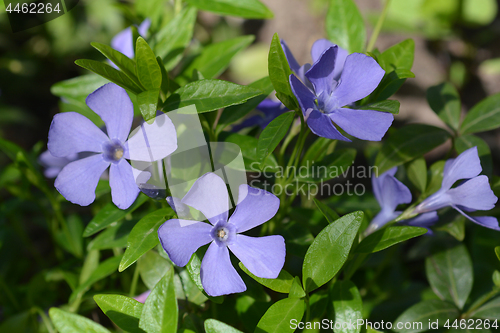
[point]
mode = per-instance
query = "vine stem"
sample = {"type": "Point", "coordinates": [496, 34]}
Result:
{"type": "Point", "coordinates": [378, 27]}
{"type": "Point", "coordinates": [135, 278]}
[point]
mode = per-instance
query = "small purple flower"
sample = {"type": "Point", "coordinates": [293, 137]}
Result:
{"type": "Point", "coordinates": [390, 193]}
{"type": "Point", "coordinates": [71, 133]}
{"type": "Point", "coordinates": [270, 109]}
{"type": "Point", "coordinates": [325, 102]}
{"type": "Point", "coordinates": [53, 165]}
{"type": "Point", "coordinates": [123, 42]}
{"type": "Point", "coordinates": [263, 256]}
{"type": "Point", "coordinates": [473, 194]}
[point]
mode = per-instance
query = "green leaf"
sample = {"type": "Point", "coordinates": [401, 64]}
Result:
{"type": "Point", "coordinates": [387, 237]}
{"type": "Point", "coordinates": [407, 143]}
{"type": "Point", "coordinates": [148, 101]}
{"type": "Point", "coordinates": [148, 69]}
{"type": "Point", "coordinates": [456, 227]}
{"type": "Point", "coordinates": [215, 326]}
{"type": "Point", "coordinates": [278, 317]}
{"type": "Point", "coordinates": [76, 90]}
{"type": "Point", "coordinates": [327, 212]}
{"type": "Point", "coordinates": [70, 322]}
{"type": "Point", "coordinates": [445, 101]}
{"type": "Point", "coordinates": [332, 166]}
{"type": "Point", "coordinates": [450, 274]}
{"type": "Point", "coordinates": [115, 236]}
{"type": "Point", "coordinates": [252, 9]}
{"type": "Point", "coordinates": [215, 58]}
{"type": "Point", "coordinates": [281, 284]}
{"type": "Point", "coordinates": [434, 177]}
{"type": "Point", "coordinates": [497, 252]}
{"type": "Point", "coordinates": [160, 309]}
{"type": "Point", "coordinates": [423, 312]}
{"type": "Point", "coordinates": [347, 306]}
{"type": "Point", "coordinates": [273, 134]}
{"type": "Point", "coordinates": [193, 267]}
{"type": "Point", "coordinates": [110, 73]}
{"type": "Point", "coordinates": [344, 25]}
{"type": "Point", "coordinates": [389, 105]}
{"type": "Point", "coordinates": [464, 142]}
{"type": "Point", "coordinates": [144, 236]}
{"type": "Point", "coordinates": [318, 150]}
{"type": "Point", "coordinates": [106, 268]}
{"type": "Point", "coordinates": [233, 113]}
{"type": "Point", "coordinates": [109, 214]}
{"type": "Point", "coordinates": [174, 37]}
{"type": "Point", "coordinates": [167, 85]}
{"type": "Point", "coordinates": [152, 267]}
{"type": "Point", "coordinates": [484, 116]}
{"type": "Point", "coordinates": [417, 173]}
{"type": "Point", "coordinates": [490, 310]}
{"type": "Point", "coordinates": [248, 146]}
{"type": "Point", "coordinates": [329, 251]}
{"type": "Point", "coordinates": [124, 311]}
{"type": "Point", "coordinates": [279, 74]}
{"type": "Point", "coordinates": [209, 95]}
{"type": "Point", "coordinates": [296, 289]}
{"type": "Point", "coordinates": [390, 84]}
{"type": "Point", "coordinates": [399, 56]}
{"type": "Point", "coordinates": [123, 62]}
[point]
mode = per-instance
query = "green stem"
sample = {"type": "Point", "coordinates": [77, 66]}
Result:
{"type": "Point", "coordinates": [135, 278]}
{"type": "Point", "coordinates": [45, 319]}
{"type": "Point", "coordinates": [480, 303]}
{"type": "Point", "coordinates": [308, 309]}
{"type": "Point", "coordinates": [378, 27]}
{"type": "Point", "coordinates": [177, 6]}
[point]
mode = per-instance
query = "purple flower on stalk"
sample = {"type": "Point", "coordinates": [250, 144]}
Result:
{"type": "Point", "coordinates": [123, 42]}
{"type": "Point", "coordinates": [325, 102]}
{"type": "Point", "coordinates": [473, 194]}
{"type": "Point", "coordinates": [263, 256]}
{"type": "Point", "coordinates": [270, 109]}
{"type": "Point", "coordinates": [71, 133]}
{"type": "Point", "coordinates": [390, 193]}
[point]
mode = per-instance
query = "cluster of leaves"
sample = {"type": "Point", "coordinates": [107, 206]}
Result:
{"type": "Point", "coordinates": [332, 270]}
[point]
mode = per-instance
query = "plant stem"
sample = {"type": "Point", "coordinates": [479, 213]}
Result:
{"type": "Point", "coordinates": [135, 278]}
{"type": "Point", "coordinates": [378, 27]}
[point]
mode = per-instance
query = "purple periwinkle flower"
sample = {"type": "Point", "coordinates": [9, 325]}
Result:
{"type": "Point", "coordinates": [270, 109]}
{"type": "Point", "coordinates": [473, 194]}
{"type": "Point", "coordinates": [53, 165]}
{"type": "Point", "coordinates": [325, 102]}
{"type": "Point", "coordinates": [123, 41]}
{"type": "Point", "coordinates": [263, 256]}
{"type": "Point", "coordinates": [390, 193]}
{"type": "Point", "coordinates": [71, 133]}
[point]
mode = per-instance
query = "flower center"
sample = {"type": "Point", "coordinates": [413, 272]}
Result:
{"type": "Point", "coordinates": [222, 233]}
{"type": "Point", "coordinates": [113, 151]}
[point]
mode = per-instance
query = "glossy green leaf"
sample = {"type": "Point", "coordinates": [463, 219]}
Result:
{"type": "Point", "coordinates": [281, 284]}
{"type": "Point", "coordinates": [399, 56]}
{"type": "Point", "coordinates": [272, 135]}
{"type": "Point", "coordinates": [70, 322]}
{"type": "Point", "coordinates": [484, 116]}
{"type": "Point", "coordinates": [110, 73]}
{"type": "Point", "coordinates": [327, 212]}
{"type": "Point", "coordinates": [434, 178]}
{"type": "Point", "coordinates": [215, 58]}
{"type": "Point", "coordinates": [167, 85]}
{"type": "Point", "coordinates": [490, 310]}
{"type": "Point", "coordinates": [407, 143]}
{"type": "Point", "coordinates": [109, 214]}
{"type": "Point", "coordinates": [209, 95]}
{"type": "Point", "coordinates": [144, 236]}
{"type": "Point", "coordinates": [345, 26]}
{"type": "Point", "coordinates": [417, 173]}
{"type": "Point", "coordinates": [497, 252]}
{"type": "Point", "coordinates": [465, 142]}
{"type": "Point", "coordinates": [445, 101]}
{"type": "Point", "coordinates": [279, 74]}
{"type": "Point", "coordinates": [450, 274]}
{"type": "Point", "coordinates": [253, 9]}
{"type": "Point", "coordinates": [105, 268]}
{"type": "Point", "coordinates": [148, 70]}
{"type": "Point", "coordinates": [114, 236]}
{"type": "Point", "coordinates": [159, 313]}
{"type": "Point", "coordinates": [421, 313]}
{"type": "Point", "coordinates": [456, 227]}
{"type": "Point", "coordinates": [332, 166]}
{"type": "Point", "coordinates": [127, 65]}
{"type": "Point", "coordinates": [390, 84]}
{"type": "Point", "coordinates": [78, 88]}
{"type": "Point", "coordinates": [278, 317]}
{"type": "Point", "coordinates": [329, 250]}
{"type": "Point", "coordinates": [152, 267]}
{"type": "Point", "coordinates": [296, 289]}
{"type": "Point", "coordinates": [174, 37]}
{"type": "Point", "coordinates": [148, 103]}
{"type": "Point", "coordinates": [389, 105]}
{"type": "Point", "coordinates": [347, 306]}
{"type": "Point", "coordinates": [124, 311]}
{"type": "Point", "coordinates": [215, 326]}
{"type": "Point", "coordinates": [387, 237]}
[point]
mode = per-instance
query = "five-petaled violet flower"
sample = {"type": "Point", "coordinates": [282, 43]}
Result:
{"type": "Point", "coordinates": [71, 133]}
{"type": "Point", "coordinates": [263, 256]}
{"type": "Point", "coordinates": [123, 41]}
{"type": "Point", "coordinates": [270, 109]}
{"type": "Point", "coordinates": [323, 100]}
{"type": "Point", "coordinates": [473, 194]}
{"type": "Point", "coordinates": [390, 193]}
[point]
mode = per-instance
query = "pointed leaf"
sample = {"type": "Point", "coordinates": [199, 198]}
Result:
{"type": "Point", "coordinates": [420, 314]}
{"type": "Point", "coordinates": [124, 311]}
{"type": "Point", "coordinates": [281, 284]}
{"type": "Point", "coordinates": [417, 173]}
{"type": "Point", "coordinates": [445, 101]}
{"type": "Point", "coordinates": [70, 322]}
{"type": "Point", "coordinates": [329, 213]}
{"type": "Point", "coordinates": [490, 310]}
{"type": "Point", "coordinates": [252, 9]}
{"type": "Point", "coordinates": [387, 237]}
{"type": "Point", "coordinates": [484, 116]}
{"type": "Point", "coordinates": [148, 70]}
{"type": "Point", "coordinates": [272, 135]}
{"type": "Point", "coordinates": [399, 56]}
{"type": "Point", "coordinates": [278, 317]}
{"type": "Point", "coordinates": [344, 25]}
